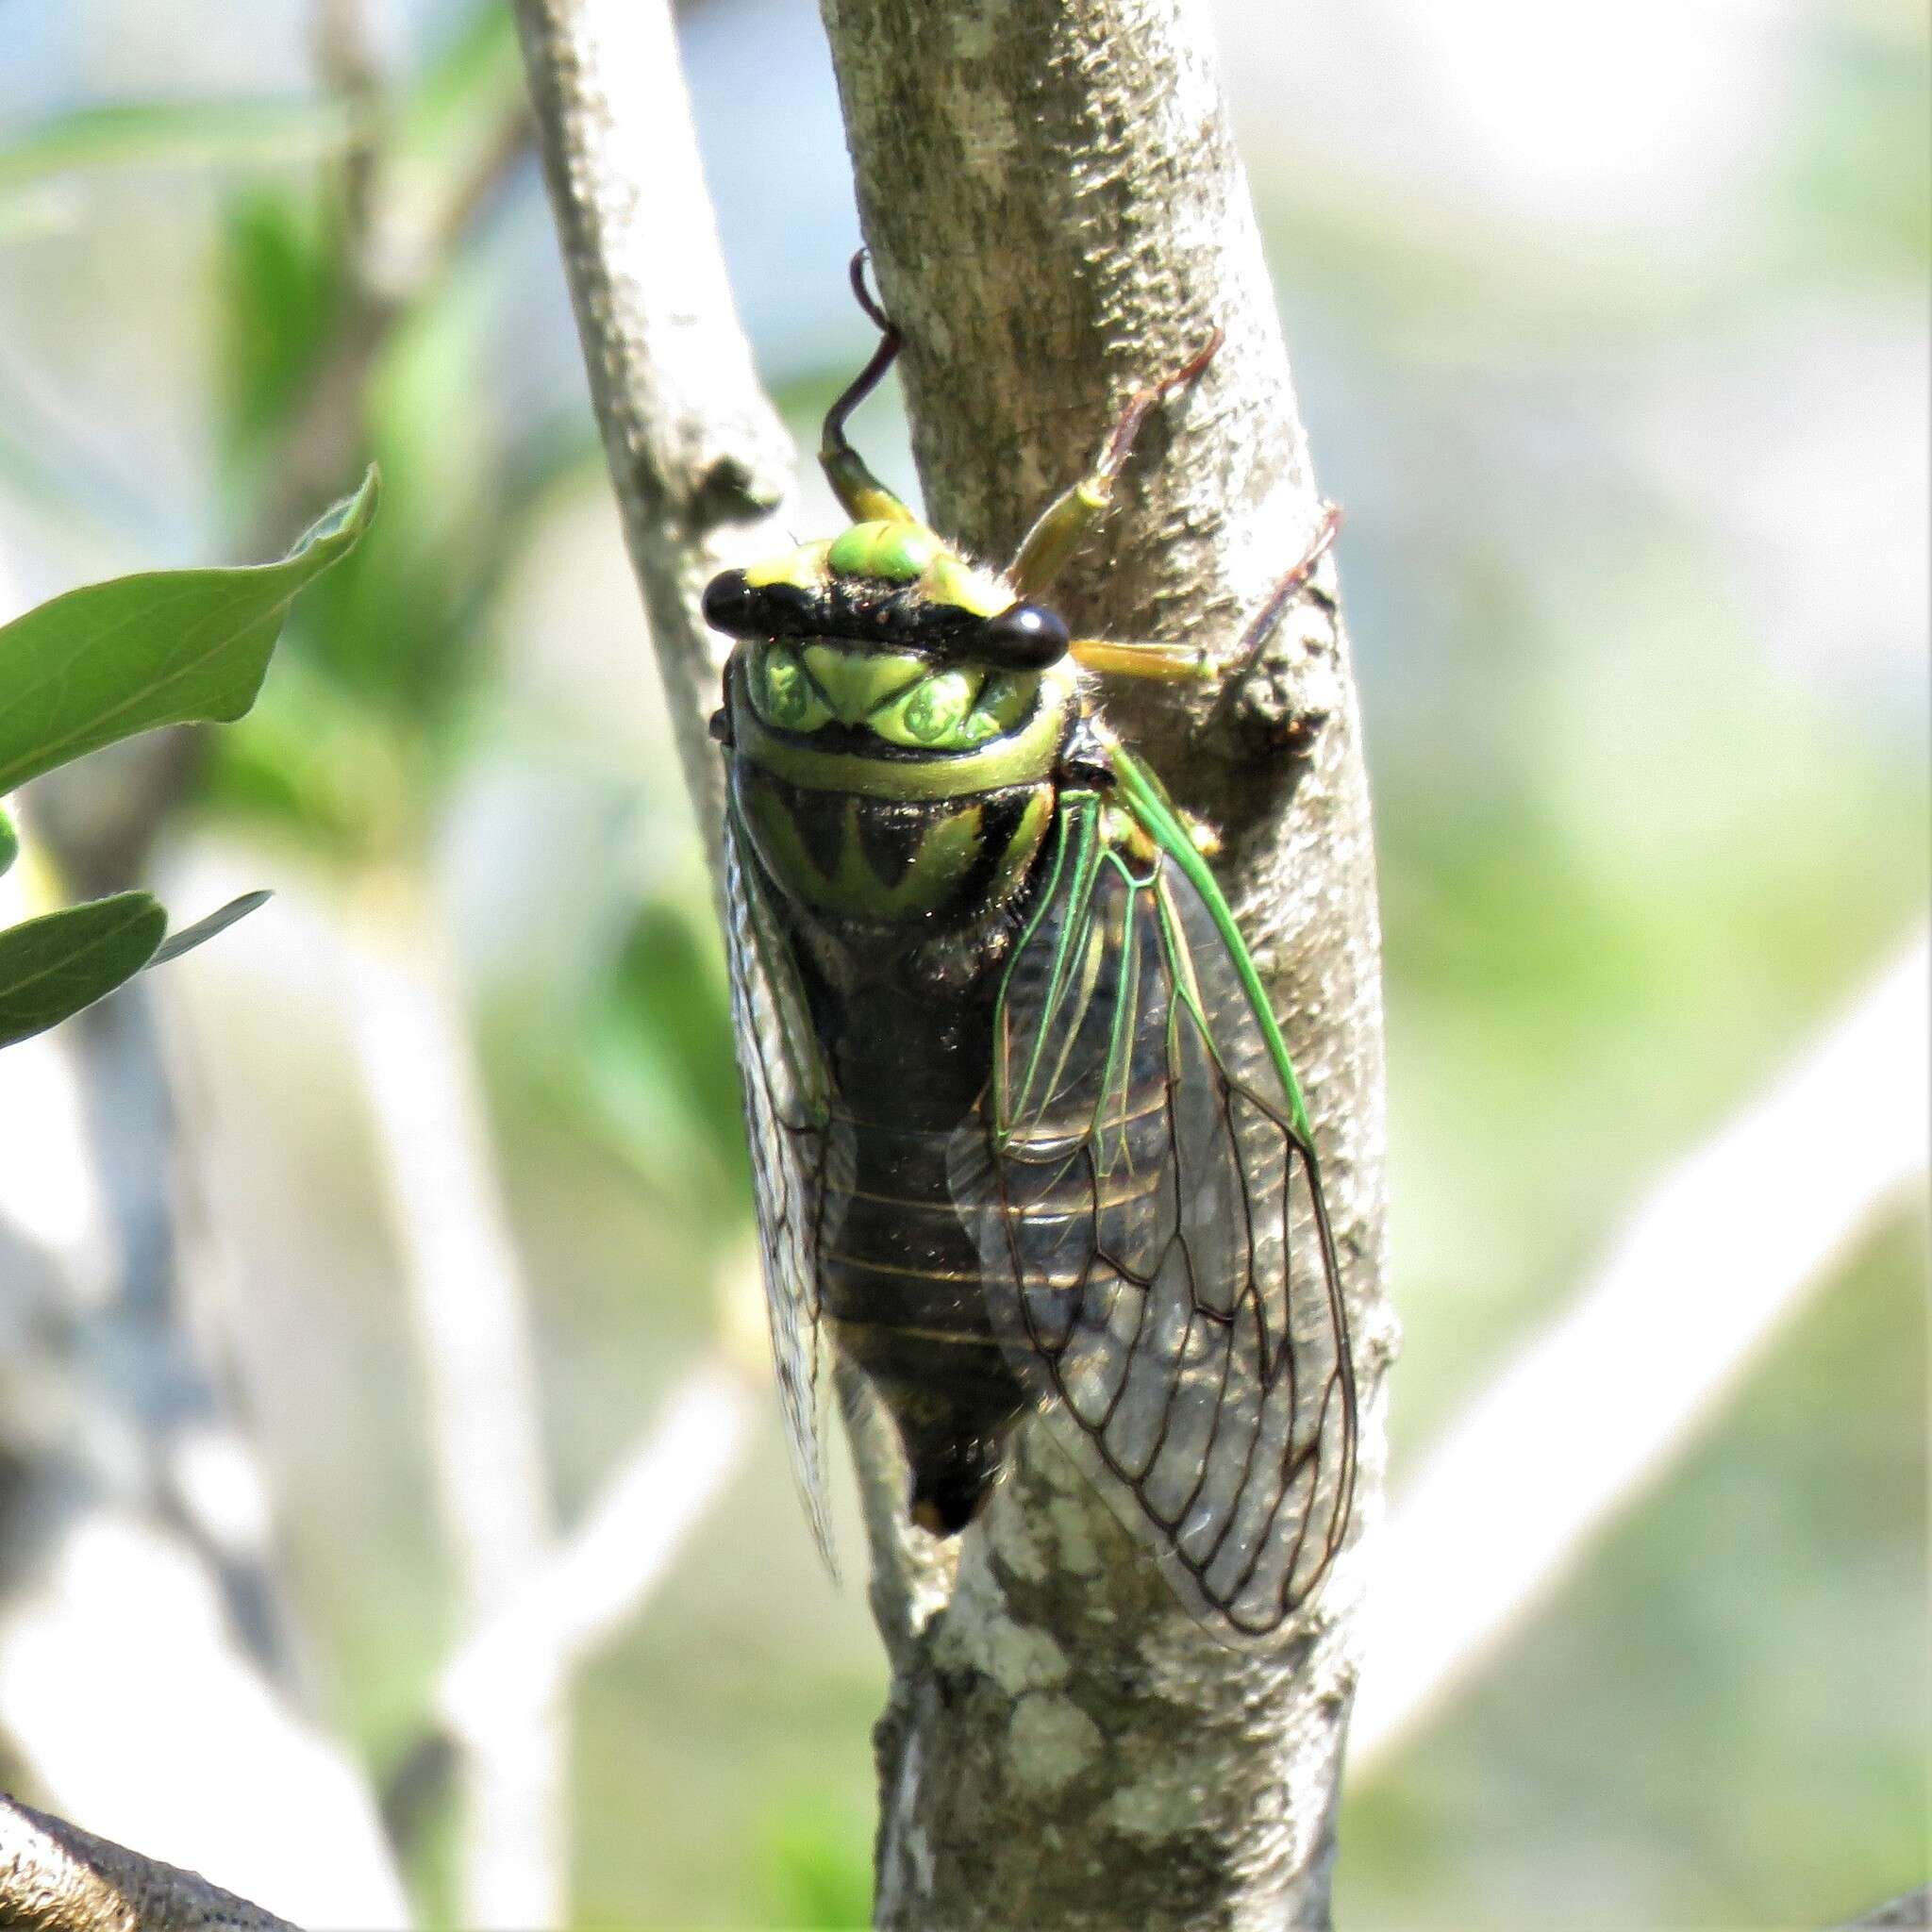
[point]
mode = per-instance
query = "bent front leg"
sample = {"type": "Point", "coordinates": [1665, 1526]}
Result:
{"type": "Point", "coordinates": [1055, 535]}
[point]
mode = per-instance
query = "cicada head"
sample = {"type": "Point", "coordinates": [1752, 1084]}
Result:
{"type": "Point", "coordinates": [887, 627]}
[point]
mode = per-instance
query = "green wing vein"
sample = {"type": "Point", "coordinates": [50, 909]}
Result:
{"type": "Point", "coordinates": [1147, 1203]}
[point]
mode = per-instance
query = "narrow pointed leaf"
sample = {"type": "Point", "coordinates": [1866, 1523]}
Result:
{"type": "Point", "coordinates": [164, 647]}
{"type": "Point", "coordinates": [10, 840]}
{"type": "Point", "coordinates": [218, 921]}
{"type": "Point", "coordinates": [53, 966]}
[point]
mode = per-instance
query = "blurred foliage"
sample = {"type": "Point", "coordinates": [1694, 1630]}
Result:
{"type": "Point", "coordinates": [820, 1880]}
{"type": "Point", "coordinates": [1860, 190]}
{"type": "Point", "coordinates": [282, 291]}
{"type": "Point", "coordinates": [354, 324]}
{"type": "Point", "coordinates": [1659, 1752]}
{"type": "Point", "coordinates": [104, 663]}
{"type": "Point", "coordinates": [657, 1060]}
{"type": "Point", "coordinates": [1641, 830]}
{"type": "Point", "coordinates": [154, 134]}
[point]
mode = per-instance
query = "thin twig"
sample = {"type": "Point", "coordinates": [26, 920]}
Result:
{"type": "Point", "coordinates": [397, 249]}
{"type": "Point", "coordinates": [469, 1306]}
{"type": "Point", "coordinates": [1587, 1417]}
{"type": "Point", "coordinates": [701, 463]}
{"type": "Point", "coordinates": [597, 1580]}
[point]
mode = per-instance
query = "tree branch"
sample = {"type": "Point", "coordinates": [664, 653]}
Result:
{"type": "Point", "coordinates": [614, 1559]}
{"type": "Point", "coordinates": [469, 1305]}
{"type": "Point", "coordinates": [55, 1877]}
{"type": "Point", "coordinates": [700, 461]}
{"type": "Point", "coordinates": [1057, 215]}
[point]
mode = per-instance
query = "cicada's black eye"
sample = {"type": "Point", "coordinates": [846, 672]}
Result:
{"type": "Point", "coordinates": [727, 602]}
{"type": "Point", "coordinates": [740, 609]}
{"type": "Point", "coordinates": [1030, 637]}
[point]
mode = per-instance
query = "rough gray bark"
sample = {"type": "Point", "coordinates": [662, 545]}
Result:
{"type": "Point", "coordinates": [1057, 215]}
{"type": "Point", "coordinates": [55, 1877]}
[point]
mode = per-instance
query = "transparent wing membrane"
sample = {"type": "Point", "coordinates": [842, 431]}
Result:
{"type": "Point", "coordinates": [798, 1151]}
{"type": "Point", "coordinates": [1149, 1214]}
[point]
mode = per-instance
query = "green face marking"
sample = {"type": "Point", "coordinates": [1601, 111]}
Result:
{"type": "Point", "coordinates": [857, 683]}
{"type": "Point", "coordinates": [783, 694]}
{"type": "Point", "coordinates": [935, 712]}
{"type": "Point", "coordinates": [897, 695]}
{"type": "Point", "coordinates": [958, 711]}
{"type": "Point", "coordinates": [906, 555]}
{"type": "Point", "coordinates": [805, 567]}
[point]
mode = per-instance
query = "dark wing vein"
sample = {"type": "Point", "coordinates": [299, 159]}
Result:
{"type": "Point", "coordinates": [1157, 1254]}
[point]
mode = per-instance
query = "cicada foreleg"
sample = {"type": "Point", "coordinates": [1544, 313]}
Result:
{"type": "Point", "coordinates": [863, 497]}
{"type": "Point", "coordinates": [1173, 663]}
{"type": "Point", "coordinates": [1046, 547]}
{"type": "Point", "coordinates": [1261, 628]}
{"type": "Point", "coordinates": [1163, 664]}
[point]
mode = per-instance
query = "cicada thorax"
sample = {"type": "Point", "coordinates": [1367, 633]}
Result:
{"type": "Point", "coordinates": [898, 800]}
{"type": "Point", "coordinates": [908, 841]}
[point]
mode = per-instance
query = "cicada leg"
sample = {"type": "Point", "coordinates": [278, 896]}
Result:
{"type": "Point", "coordinates": [1261, 628]}
{"type": "Point", "coordinates": [1163, 664]}
{"type": "Point", "coordinates": [1173, 663]}
{"type": "Point", "coordinates": [864, 498]}
{"type": "Point", "coordinates": [1055, 537]}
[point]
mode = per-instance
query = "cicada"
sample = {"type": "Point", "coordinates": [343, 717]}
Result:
{"type": "Point", "coordinates": [1026, 1140]}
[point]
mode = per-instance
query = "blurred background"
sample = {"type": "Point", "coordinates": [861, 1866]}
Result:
{"type": "Point", "coordinates": [408, 1248]}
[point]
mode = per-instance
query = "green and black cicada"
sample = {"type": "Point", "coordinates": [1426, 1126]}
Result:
{"type": "Point", "coordinates": [1025, 1136]}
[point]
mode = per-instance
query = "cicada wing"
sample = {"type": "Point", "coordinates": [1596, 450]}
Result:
{"type": "Point", "coordinates": [797, 1149]}
{"type": "Point", "coordinates": [1157, 1254]}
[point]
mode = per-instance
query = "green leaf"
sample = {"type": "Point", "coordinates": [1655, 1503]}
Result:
{"type": "Point", "coordinates": [53, 966]}
{"type": "Point", "coordinates": [203, 929]}
{"type": "Point", "coordinates": [165, 647]}
{"type": "Point", "coordinates": [149, 133]}
{"type": "Point", "coordinates": [10, 840]}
